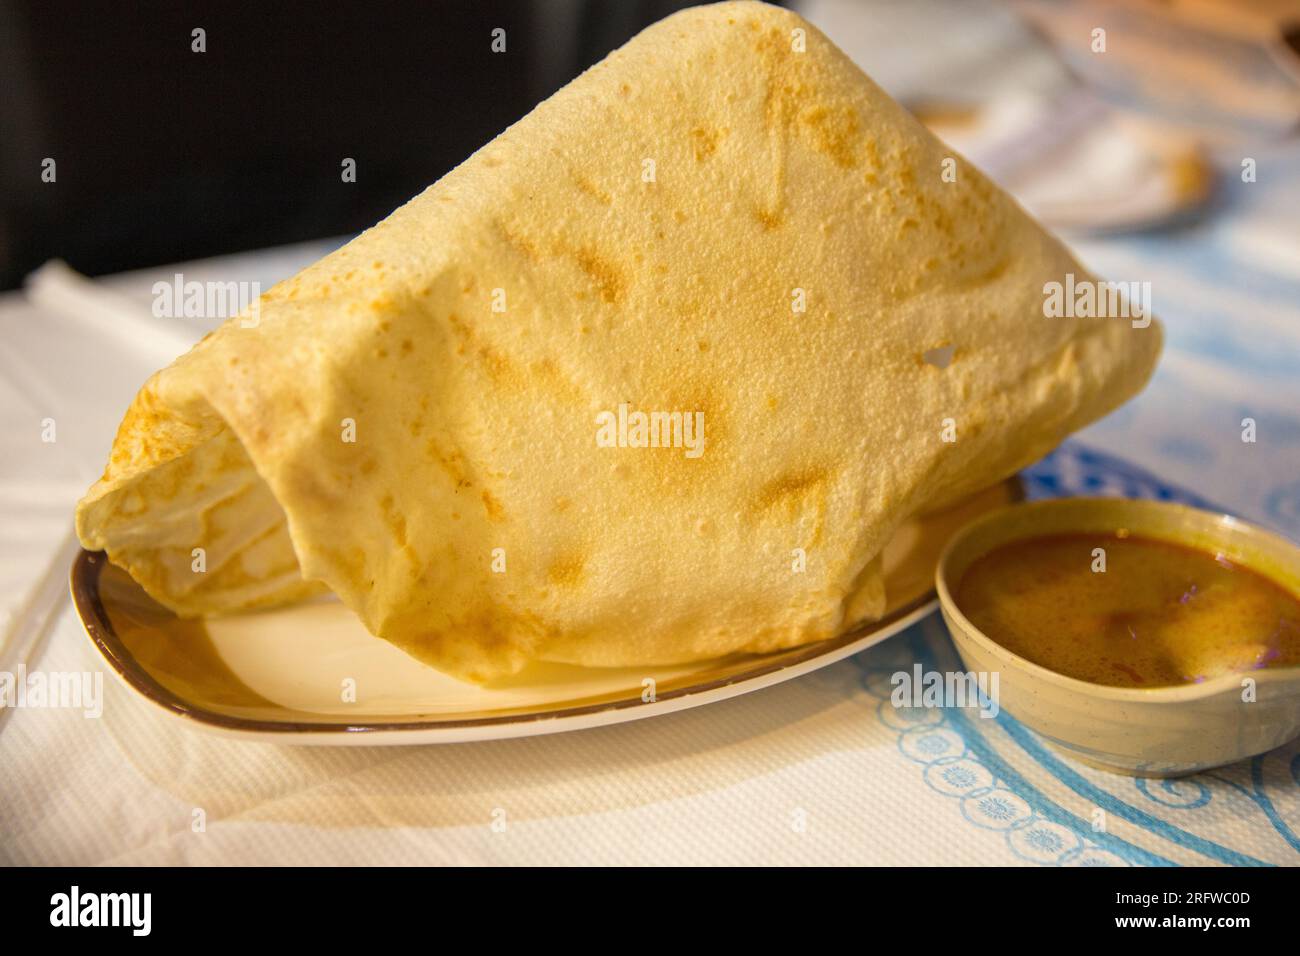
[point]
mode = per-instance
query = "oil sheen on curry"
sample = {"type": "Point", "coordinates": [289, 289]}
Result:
{"type": "Point", "coordinates": [1160, 614]}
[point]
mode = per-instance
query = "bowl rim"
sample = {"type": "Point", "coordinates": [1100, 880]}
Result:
{"type": "Point", "coordinates": [1171, 694]}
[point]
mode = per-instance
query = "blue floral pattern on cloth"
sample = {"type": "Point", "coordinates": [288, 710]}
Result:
{"type": "Point", "coordinates": [1047, 810]}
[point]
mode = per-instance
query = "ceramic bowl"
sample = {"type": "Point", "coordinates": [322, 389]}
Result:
{"type": "Point", "coordinates": [1155, 732]}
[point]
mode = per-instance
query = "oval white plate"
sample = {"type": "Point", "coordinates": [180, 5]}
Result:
{"type": "Point", "coordinates": [311, 674]}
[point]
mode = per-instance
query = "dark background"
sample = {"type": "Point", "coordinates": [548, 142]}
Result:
{"type": "Point", "coordinates": [164, 154]}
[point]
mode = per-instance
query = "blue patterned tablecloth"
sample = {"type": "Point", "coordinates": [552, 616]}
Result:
{"type": "Point", "coordinates": [1051, 810]}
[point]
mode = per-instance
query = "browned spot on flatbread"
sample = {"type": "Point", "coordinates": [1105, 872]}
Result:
{"type": "Point", "coordinates": [793, 494]}
{"type": "Point", "coordinates": [394, 520]}
{"type": "Point", "coordinates": [791, 485]}
{"type": "Point", "coordinates": [451, 461]}
{"type": "Point", "coordinates": [494, 364]}
{"type": "Point", "coordinates": [607, 277]}
{"type": "Point", "coordinates": [590, 188]}
{"type": "Point", "coordinates": [493, 507]}
{"type": "Point", "coordinates": [704, 143]}
{"type": "Point", "coordinates": [769, 218]}
{"type": "Point", "coordinates": [458, 325]}
{"type": "Point", "coordinates": [516, 239]}
{"type": "Point", "coordinates": [549, 377]}
{"type": "Point", "coordinates": [498, 367]}
{"type": "Point", "coordinates": [566, 570]}
{"type": "Point", "coordinates": [833, 132]}
{"type": "Point", "coordinates": [783, 94]}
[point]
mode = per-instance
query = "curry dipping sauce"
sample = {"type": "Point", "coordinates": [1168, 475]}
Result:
{"type": "Point", "coordinates": [1160, 614]}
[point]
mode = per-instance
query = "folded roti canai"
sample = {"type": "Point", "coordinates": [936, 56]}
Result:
{"type": "Point", "coordinates": [646, 380]}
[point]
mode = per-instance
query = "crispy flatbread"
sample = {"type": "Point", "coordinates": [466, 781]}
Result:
{"type": "Point", "coordinates": [724, 220]}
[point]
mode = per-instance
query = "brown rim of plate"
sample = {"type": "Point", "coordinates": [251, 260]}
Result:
{"type": "Point", "coordinates": [84, 582]}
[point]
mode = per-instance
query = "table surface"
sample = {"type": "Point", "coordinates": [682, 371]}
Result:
{"type": "Point", "coordinates": [818, 770]}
